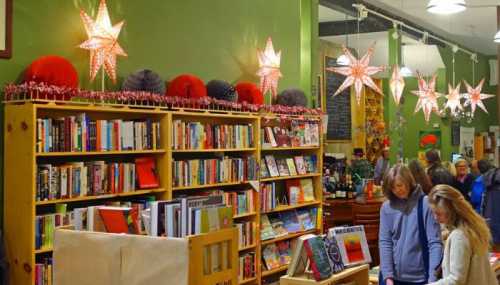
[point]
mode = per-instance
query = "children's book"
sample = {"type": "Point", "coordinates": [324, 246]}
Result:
{"type": "Point", "coordinates": [352, 244]}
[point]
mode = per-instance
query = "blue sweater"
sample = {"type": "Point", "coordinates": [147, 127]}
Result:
{"type": "Point", "coordinates": [399, 243]}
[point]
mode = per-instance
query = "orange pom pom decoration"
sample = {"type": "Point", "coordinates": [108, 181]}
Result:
{"type": "Point", "coordinates": [250, 93]}
{"type": "Point", "coordinates": [187, 86]}
{"type": "Point", "coordinates": [52, 70]}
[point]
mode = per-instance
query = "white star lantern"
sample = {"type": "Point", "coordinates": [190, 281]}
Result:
{"type": "Point", "coordinates": [269, 69]}
{"type": "Point", "coordinates": [474, 97]}
{"type": "Point", "coordinates": [358, 73]}
{"type": "Point", "coordinates": [453, 99]}
{"type": "Point", "coordinates": [427, 96]}
{"type": "Point", "coordinates": [102, 42]}
{"type": "Point", "coordinates": [397, 84]}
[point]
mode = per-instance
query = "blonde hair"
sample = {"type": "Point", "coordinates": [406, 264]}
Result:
{"type": "Point", "coordinates": [397, 172]}
{"type": "Point", "coordinates": [451, 168]}
{"type": "Point", "coordinates": [461, 216]}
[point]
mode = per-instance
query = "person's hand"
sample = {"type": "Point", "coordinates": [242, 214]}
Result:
{"type": "Point", "coordinates": [389, 281]}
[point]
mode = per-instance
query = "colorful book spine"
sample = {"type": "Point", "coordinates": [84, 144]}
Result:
{"type": "Point", "coordinates": [246, 266]}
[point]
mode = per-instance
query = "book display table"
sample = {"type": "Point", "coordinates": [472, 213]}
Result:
{"type": "Point", "coordinates": [358, 275]}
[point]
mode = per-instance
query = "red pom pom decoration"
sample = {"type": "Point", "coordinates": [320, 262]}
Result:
{"type": "Point", "coordinates": [187, 86]}
{"type": "Point", "coordinates": [52, 70]}
{"type": "Point", "coordinates": [250, 93]}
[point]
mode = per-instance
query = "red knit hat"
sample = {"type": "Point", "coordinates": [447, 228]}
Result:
{"type": "Point", "coordinates": [52, 70]}
{"type": "Point", "coordinates": [187, 85]}
{"type": "Point", "coordinates": [250, 93]}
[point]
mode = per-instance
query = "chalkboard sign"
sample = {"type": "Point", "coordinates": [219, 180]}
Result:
{"type": "Point", "coordinates": [337, 107]}
{"type": "Point", "coordinates": [455, 133]}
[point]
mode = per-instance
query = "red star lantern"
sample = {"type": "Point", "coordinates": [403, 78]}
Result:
{"type": "Point", "coordinates": [427, 96]}
{"type": "Point", "coordinates": [358, 73]}
{"type": "Point", "coordinates": [269, 69]}
{"type": "Point", "coordinates": [453, 99]}
{"type": "Point", "coordinates": [102, 42]}
{"type": "Point", "coordinates": [397, 84]}
{"type": "Point", "coordinates": [474, 97]}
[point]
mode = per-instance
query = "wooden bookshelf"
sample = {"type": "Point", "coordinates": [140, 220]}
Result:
{"type": "Point", "coordinates": [282, 268]}
{"type": "Point", "coordinates": [20, 181]}
{"type": "Point", "coordinates": [287, 208]}
{"type": "Point", "coordinates": [287, 237]}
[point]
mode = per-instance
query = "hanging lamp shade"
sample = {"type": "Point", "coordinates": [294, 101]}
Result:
{"type": "Point", "coordinates": [446, 7]}
{"type": "Point", "coordinates": [343, 60]}
{"type": "Point", "coordinates": [497, 37]}
{"type": "Point", "coordinates": [406, 71]}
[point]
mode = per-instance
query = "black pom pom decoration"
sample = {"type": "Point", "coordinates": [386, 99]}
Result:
{"type": "Point", "coordinates": [292, 97]}
{"type": "Point", "coordinates": [222, 90]}
{"type": "Point", "coordinates": [144, 80]}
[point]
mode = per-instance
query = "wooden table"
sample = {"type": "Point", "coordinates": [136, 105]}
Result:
{"type": "Point", "coordinates": [358, 274]}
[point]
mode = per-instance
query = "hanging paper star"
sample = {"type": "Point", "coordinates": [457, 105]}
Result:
{"type": "Point", "coordinates": [358, 73]}
{"type": "Point", "coordinates": [102, 42]}
{"type": "Point", "coordinates": [453, 99]}
{"type": "Point", "coordinates": [427, 96]}
{"type": "Point", "coordinates": [397, 84]}
{"type": "Point", "coordinates": [269, 69]}
{"type": "Point", "coordinates": [474, 97]}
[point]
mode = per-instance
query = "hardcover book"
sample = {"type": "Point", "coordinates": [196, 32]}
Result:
{"type": "Point", "coordinates": [270, 255]}
{"type": "Point", "coordinates": [300, 165]}
{"type": "Point", "coordinates": [277, 225]}
{"type": "Point", "coordinates": [333, 252]}
{"type": "Point", "coordinates": [294, 191]}
{"type": "Point", "coordinates": [146, 172]}
{"type": "Point", "coordinates": [291, 166]}
{"type": "Point", "coordinates": [308, 189]}
{"type": "Point", "coordinates": [299, 261]}
{"type": "Point", "coordinates": [120, 219]}
{"type": "Point", "coordinates": [271, 166]}
{"type": "Point", "coordinates": [318, 259]}
{"type": "Point", "coordinates": [282, 167]}
{"type": "Point", "coordinates": [352, 244]}
{"type": "Point", "coordinates": [266, 230]}
{"type": "Point", "coordinates": [291, 221]}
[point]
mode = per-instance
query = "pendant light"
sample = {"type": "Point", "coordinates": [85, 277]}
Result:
{"type": "Point", "coordinates": [446, 7]}
{"type": "Point", "coordinates": [343, 59]}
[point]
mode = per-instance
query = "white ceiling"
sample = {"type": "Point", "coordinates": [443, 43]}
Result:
{"type": "Point", "coordinates": [473, 28]}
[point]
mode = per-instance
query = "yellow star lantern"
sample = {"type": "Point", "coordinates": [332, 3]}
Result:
{"type": "Point", "coordinates": [102, 42]}
{"type": "Point", "coordinates": [269, 69]}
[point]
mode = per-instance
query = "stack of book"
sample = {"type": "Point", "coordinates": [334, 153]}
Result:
{"type": "Point", "coordinates": [297, 134]}
{"type": "Point", "coordinates": [283, 223]}
{"type": "Point", "coordinates": [212, 171]}
{"type": "Point", "coordinates": [197, 135]}
{"type": "Point", "coordinates": [291, 166]}
{"type": "Point", "coordinates": [246, 266]}
{"type": "Point", "coordinates": [80, 133]}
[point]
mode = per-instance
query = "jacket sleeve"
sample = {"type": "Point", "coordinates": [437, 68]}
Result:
{"type": "Point", "coordinates": [385, 243]}
{"type": "Point", "coordinates": [433, 231]}
{"type": "Point", "coordinates": [460, 255]}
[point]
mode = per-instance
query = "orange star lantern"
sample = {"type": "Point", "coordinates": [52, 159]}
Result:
{"type": "Point", "coordinates": [453, 99]}
{"type": "Point", "coordinates": [102, 42]}
{"type": "Point", "coordinates": [397, 84]}
{"type": "Point", "coordinates": [269, 69]}
{"type": "Point", "coordinates": [427, 96]}
{"type": "Point", "coordinates": [474, 97]}
{"type": "Point", "coordinates": [358, 73]}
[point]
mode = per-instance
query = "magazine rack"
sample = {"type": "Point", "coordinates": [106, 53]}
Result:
{"type": "Point", "coordinates": [358, 275]}
{"type": "Point", "coordinates": [116, 259]}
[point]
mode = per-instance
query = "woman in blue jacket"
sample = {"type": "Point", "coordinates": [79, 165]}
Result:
{"type": "Point", "coordinates": [408, 254]}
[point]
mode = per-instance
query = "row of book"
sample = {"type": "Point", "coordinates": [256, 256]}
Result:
{"type": "Point", "coordinates": [277, 254]}
{"type": "Point", "coordinates": [325, 255]}
{"type": "Point", "coordinates": [92, 178]}
{"type": "Point", "coordinates": [283, 223]}
{"type": "Point", "coordinates": [298, 133]}
{"type": "Point", "coordinates": [242, 202]}
{"type": "Point", "coordinates": [198, 135]}
{"type": "Point", "coordinates": [211, 171]}
{"type": "Point", "coordinates": [298, 165]}
{"type": "Point", "coordinates": [297, 191]}
{"type": "Point", "coordinates": [43, 272]}
{"type": "Point", "coordinates": [245, 233]}
{"type": "Point", "coordinates": [246, 266]}
{"type": "Point", "coordinates": [188, 215]}
{"type": "Point", "coordinates": [81, 133]}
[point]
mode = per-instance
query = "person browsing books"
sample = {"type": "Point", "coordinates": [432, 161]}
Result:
{"type": "Point", "coordinates": [409, 236]}
{"type": "Point", "coordinates": [465, 259]}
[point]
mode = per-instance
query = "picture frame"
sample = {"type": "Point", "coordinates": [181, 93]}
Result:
{"type": "Point", "coordinates": [6, 28]}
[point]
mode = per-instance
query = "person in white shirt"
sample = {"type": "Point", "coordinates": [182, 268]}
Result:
{"type": "Point", "coordinates": [465, 260]}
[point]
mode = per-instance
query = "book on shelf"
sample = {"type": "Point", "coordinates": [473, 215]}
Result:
{"type": "Point", "coordinates": [307, 189]}
{"type": "Point", "coordinates": [285, 251]}
{"type": "Point", "coordinates": [352, 244]}
{"type": "Point", "coordinates": [271, 256]}
{"type": "Point", "coordinates": [246, 266]}
{"type": "Point", "coordinates": [282, 167]}
{"type": "Point", "coordinates": [147, 174]}
{"type": "Point", "coordinates": [197, 135]}
{"type": "Point", "coordinates": [80, 133]}
{"type": "Point", "coordinates": [311, 163]}
{"type": "Point", "coordinates": [296, 134]}
{"type": "Point", "coordinates": [271, 166]}
{"type": "Point", "coordinates": [245, 233]}
{"type": "Point", "coordinates": [120, 219]}
{"type": "Point", "coordinates": [291, 221]}
{"type": "Point", "coordinates": [291, 166]}
{"type": "Point", "coordinates": [282, 138]}
{"type": "Point", "coordinates": [294, 191]}
{"type": "Point", "coordinates": [304, 216]}
{"type": "Point", "coordinates": [299, 261]}
{"type": "Point", "coordinates": [277, 225]}
{"type": "Point", "coordinates": [266, 229]}
{"type": "Point", "coordinates": [264, 173]}
{"type": "Point", "coordinates": [43, 272]}
{"type": "Point", "coordinates": [241, 201]}
{"type": "Point", "coordinates": [300, 165]}
{"type": "Point", "coordinates": [196, 172]}
{"type": "Point", "coordinates": [318, 258]}
{"type": "Point", "coordinates": [269, 137]}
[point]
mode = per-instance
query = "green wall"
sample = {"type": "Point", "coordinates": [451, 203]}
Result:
{"type": "Point", "coordinates": [212, 39]}
{"type": "Point", "coordinates": [415, 122]}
